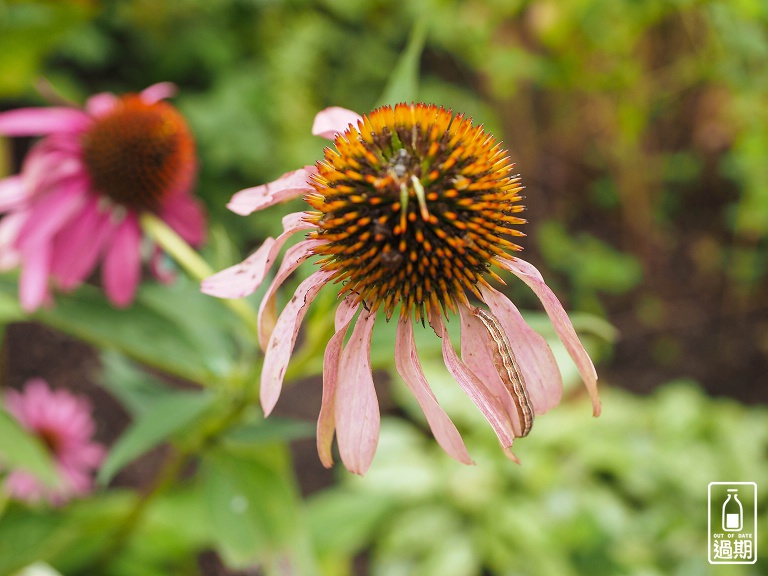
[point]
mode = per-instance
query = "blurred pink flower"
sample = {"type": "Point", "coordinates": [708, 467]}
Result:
{"type": "Point", "coordinates": [82, 187]}
{"type": "Point", "coordinates": [410, 210]}
{"type": "Point", "coordinates": [63, 423]}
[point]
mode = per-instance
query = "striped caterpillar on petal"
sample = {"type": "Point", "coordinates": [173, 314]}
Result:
{"type": "Point", "coordinates": [508, 369]}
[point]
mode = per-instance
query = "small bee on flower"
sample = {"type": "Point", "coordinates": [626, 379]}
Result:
{"type": "Point", "coordinates": [409, 213]}
{"type": "Point", "coordinates": [83, 186]}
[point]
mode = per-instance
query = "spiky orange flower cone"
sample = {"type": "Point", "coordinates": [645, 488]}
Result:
{"type": "Point", "coordinates": [413, 209]}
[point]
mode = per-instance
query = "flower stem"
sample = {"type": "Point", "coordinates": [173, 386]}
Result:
{"type": "Point", "coordinates": [192, 262]}
{"type": "Point", "coordinates": [175, 246]}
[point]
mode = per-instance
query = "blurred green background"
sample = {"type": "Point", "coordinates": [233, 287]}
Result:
{"type": "Point", "coordinates": [640, 129]}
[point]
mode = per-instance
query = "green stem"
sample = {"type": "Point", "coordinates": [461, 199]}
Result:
{"type": "Point", "coordinates": [174, 245]}
{"type": "Point", "coordinates": [192, 263]}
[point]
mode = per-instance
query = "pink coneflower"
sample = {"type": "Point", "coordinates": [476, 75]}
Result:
{"type": "Point", "coordinates": [410, 211]}
{"type": "Point", "coordinates": [83, 187]}
{"type": "Point", "coordinates": [63, 423]}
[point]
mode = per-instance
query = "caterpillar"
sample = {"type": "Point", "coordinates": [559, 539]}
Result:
{"type": "Point", "coordinates": [508, 369]}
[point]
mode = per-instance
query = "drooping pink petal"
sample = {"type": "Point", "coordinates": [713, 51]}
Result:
{"type": "Point", "coordinates": [10, 226]}
{"type": "Point", "coordinates": [245, 278]}
{"type": "Point", "coordinates": [409, 368]}
{"type": "Point", "coordinates": [292, 258]}
{"type": "Point", "coordinates": [40, 121]}
{"type": "Point", "coordinates": [562, 324]}
{"type": "Point", "coordinates": [334, 120]}
{"type": "Point", "coordinates": [77, 247]}
{"type": "Point", "coordinates": [357, 407]}
{"type": "Point", "coordinates": [476, 347]}
{"type": "Point", "coordinates": [186, 216]}
{"type": "Point", "coordinates": [283, 339]}
{"type": "Point", "coordinates": [326, 421]}
{"type": "Point", "coordinates": [533, 354]}
{"type": "Point", "coordinates": [290, 185]}
{"type": "Point", "coordinates": [51, 162]}
{"type": "Point", "coordinates": [491, 407]}
{"type": "Point", "coordinates": [101, 104]}
{"type": "Point", "coordinates": [159, 91]}
{"type": "Point", "coordinates": [33, 284]}
{"type": "Point", "coordinates": [241, 279]}
{"type": "Point", "coordinates": [13, 193]}
{"type": "Point", "coordinates": [121, 270]}
{"type": "Point", "coordinates": [46, 218]}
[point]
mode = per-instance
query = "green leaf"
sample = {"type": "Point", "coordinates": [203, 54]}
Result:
{"type": "Point", "coordinates": [137, 389]}
{"type": "Point", "coordinates": [171, 534]}
{"type": "Point", "coordinates": [403, 83]}
{"type": "Point", "coordinates": [168, 415]}
{"type": "Point", "coordinates": [266, 431]}
{"type": "Point", "coordinates": [65, 537]}
{"type": "Point", "coordinates": [20, 449]}
{"type": "Point", "coordinates": [252, 506]}
{"type": "Point", "coordinates": [354, 517]}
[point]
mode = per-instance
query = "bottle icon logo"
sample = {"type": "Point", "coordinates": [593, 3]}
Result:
{"type": "Point", "coordinates": [733, 512]}
{"type": "Point", "coordinates": [732, 522]}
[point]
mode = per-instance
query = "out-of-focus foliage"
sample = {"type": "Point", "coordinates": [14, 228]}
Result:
{"type": "Point", "coordinates": [30, 31]}
{"type": "Point", "coordinates": [625, 494]}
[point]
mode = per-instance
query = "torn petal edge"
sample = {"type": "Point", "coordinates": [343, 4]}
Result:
{"type": "Point", "coordinates": [245, 278]}
{"type": "Point", "coordinates": [283, 339]}
{"type": "Point", "coordinates": [290, 185]}
{"type": "Point", "coordinates": [267, 316]}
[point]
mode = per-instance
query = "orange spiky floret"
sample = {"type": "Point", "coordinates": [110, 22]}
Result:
{"type": "Point", "coordinates": [414, 204]}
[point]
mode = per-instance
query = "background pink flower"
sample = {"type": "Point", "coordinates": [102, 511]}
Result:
{"type": "Point", "coordinates": [83, 186]}
{"type": "Point", "coordinates": [63, 423]}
